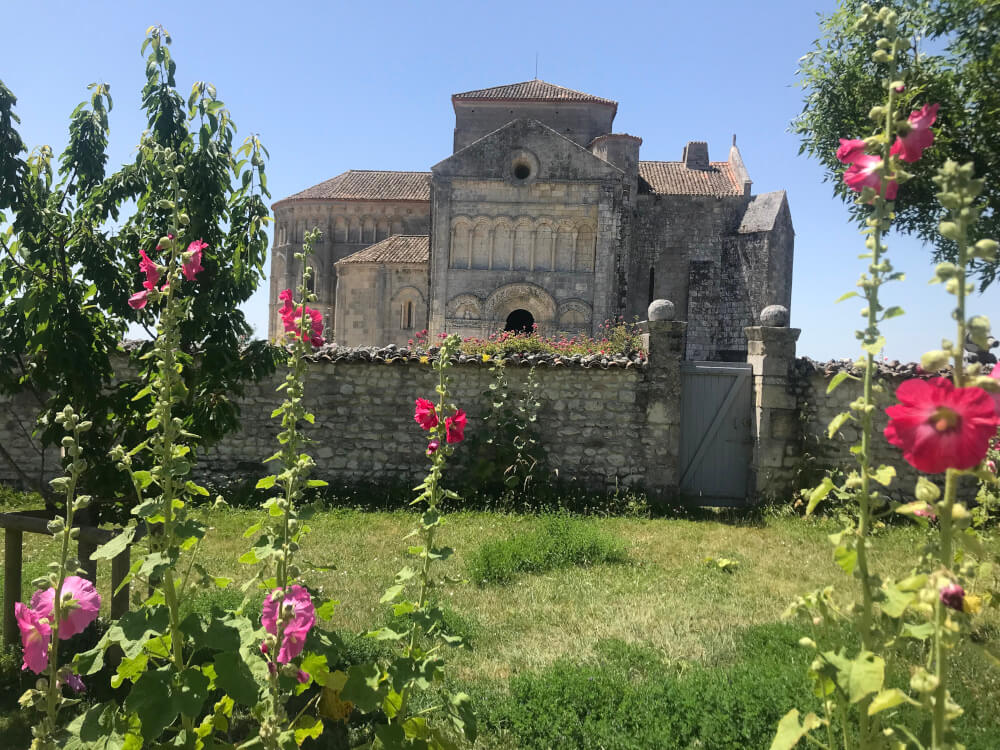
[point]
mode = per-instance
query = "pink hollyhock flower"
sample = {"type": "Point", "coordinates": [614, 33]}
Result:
{"type": "Point", "coordinates": [149, 268]}
{"type": "Point", "coordinates": [297, 613]}
{"type": "Point", "coordinates": [849, 151]}
{"type": "Point", "coordinates": [939, 426]}
{"type": "Point", "coordinates": [291, 316]}
{"type": "Point", "coordinates": [926, 512]}
{"type": "Point", "coordinates": [995, 396]}
{"type": "Point", "coordinates": [425, 414]}
{"type": "Point", "coordinates": [862, 173]}
{"type": "Point", "coordinates": [952, 596]}
{"type": "Point", "coordinates": [138, 300]}
{"type": "Point", "coordinates": [432, 446]}
{"type": "Point", "coordinates": [79, 607]}
{"type": "Point", "coordinates": [910, 147]}
{"type": "Point", "coordinates": [991, 466]}
{"type": "Point", "coordinates": [454, 427]}
{"type": "Point", "coordinates": [302, 677]}
{"type": "Point", "coordinates": [192, 262]}
{"type": "Point", "coordinates": [75, 683]}
{"type": "Point", "coordinates": [35, 634]}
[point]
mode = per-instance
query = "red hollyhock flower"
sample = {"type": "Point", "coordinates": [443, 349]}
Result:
{"type": "Point", "coordinates": [910, 147]}
{"type": "Point", "coordinates": [939, 426]}
{"type": "Point", "coordinates": [425, 415]}
{"type": "Point", "coordinates": [292, 315]}
{"type": "Point", "coordinates": [192, 264]}
{"type": "Point", "coordinates": [952, 596]}
{"type": "Point", "coordinates": [454, 427]}
{"type": "Point", "coordinates": [138, 300]}
{"type": "Point", "coordinates": [148, 267]}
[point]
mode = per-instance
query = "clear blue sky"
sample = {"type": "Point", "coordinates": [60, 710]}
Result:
{"type": "Point", "coordinates": [331, 86]}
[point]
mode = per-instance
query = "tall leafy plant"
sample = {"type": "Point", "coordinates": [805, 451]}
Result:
{"type": "Point", "coordinates": [68, 234]}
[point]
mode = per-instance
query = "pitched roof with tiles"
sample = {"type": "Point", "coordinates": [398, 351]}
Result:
{"type": "Point", "coordinates": [399, 248]}
{"type": "Point", "coordinates": [675, 178]}
{"type": "Point", "coordinates": [369, 185]}
{"type": "Point", "coordinates": [531, 91]}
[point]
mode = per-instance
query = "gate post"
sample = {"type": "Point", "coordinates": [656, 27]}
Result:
{"type": "Point", "coordinates": [776, 429]}
{"type": "Point", "coordinates": [663, 338]}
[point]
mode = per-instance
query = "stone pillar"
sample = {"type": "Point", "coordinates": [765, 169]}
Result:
{"type": "Point", "coordinates": [663, 339]}
{"type": "Point", "coordinates": [776, 428]}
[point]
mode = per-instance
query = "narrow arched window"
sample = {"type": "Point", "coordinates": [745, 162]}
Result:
{"type": "Point", "coordinates": [407, 317]}
{"type": "Point", "coordinates": [650, 285]}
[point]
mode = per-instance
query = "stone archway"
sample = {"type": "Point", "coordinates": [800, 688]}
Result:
{"type": "Point", "coordinates": [526, 296]}
{"type": "Point", "coordinates": [520, 321]}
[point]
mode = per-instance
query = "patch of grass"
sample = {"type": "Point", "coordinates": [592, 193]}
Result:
{"type": "Point", "coordinates": [558, 541]}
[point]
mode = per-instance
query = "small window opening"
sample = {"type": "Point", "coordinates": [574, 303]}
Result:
{"type": "Point", "coordinates": [407, 321]}
{"type": "Point", "coordinates": [520, 321]}
{"type": "Point", "coordinates": [522, 171]}
{"type": "Point", "coordinates": [650, 285]}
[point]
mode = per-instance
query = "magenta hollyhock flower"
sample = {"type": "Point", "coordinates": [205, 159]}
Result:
{"type": "Point", "coordinates": [35, 634]}
{"type": "Point", "coordinates": [192, 262]}
{"type": "Point", "coordinates": [910, 147]}
{"type": "Point", "coordinates": [454, 427]}
{"type": "Point", "coordinates": [425, 415]}
{"type": "Point", "coordinates": [151, 270]}
{"type": "Point", "coordinates": [862, 173]}
{"type": "Point", "coordinates": [432, 446]}
{"type": "Point", "coordinates": [297, 613]}
{"type": "Point", "coordinates": [850, 150]}
{"type": "Point", "coordinates": [952, 596]}
{"type": "Point", "coordinates": [302, 677]}
{"type": "Point", "coordinates": [79, 607]}
{"type": "Point", "coordinates": [138, 300]}
{"type": "Point", "coordinates": [291, 316]}
{"type": "Point", "coordinates": [75, 683]}
{"type": "Point", "coordinates": [939, 426]}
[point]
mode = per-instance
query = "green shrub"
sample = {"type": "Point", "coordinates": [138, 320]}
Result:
{"type": "Point", "coordinates": [558, 541]}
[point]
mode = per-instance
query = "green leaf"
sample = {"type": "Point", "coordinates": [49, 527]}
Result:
{"type": "Point", "coordinates": [115, 546]}
{"type": "Point", "coordinates": [836, 423]}
{"type": "Point", "coordinates": [846, 556]}
{"type": "Point", "coordinates": [326, 609]}
{"type": "Point", "coordinates": [364, 687]}
{"type": "Point", "coordinates": [234, 677]}
{"type": "Point", "coordinates": [791, 730]}
{"type": "Point", "coordinates": [892, 312]}
{"type": "Point", "coordinates": [392, 593]}
{"type": "Point", "coordinates": [884, 475]}
{"type": "Point", "coordinates": [192, 692]}
{"type": "Point", "coordinates": [151, 699]}
{"type": "Point", "coordinates": [876, 346]}
{"type": "Point", "coordinates": [889, 699]}
{"type": "Point", "coordinates": [818, 494]}
{"type": "Point", "coordinates": [846, 296]}
{"type": "Point", "coordinates": [307, 727]}
{"type": "Point", "coordinates": [266, 483]}
{"type": "Point", "coordinates": [837, 379]}
{"type": "Point", "coordinates": [317, 483]}
{"type": "Point", "coordinates": [896, 601]}
{"type": "Point", "coordinates": [100, 727]}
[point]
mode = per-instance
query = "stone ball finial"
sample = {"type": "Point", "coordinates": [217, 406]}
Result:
{"type": "Point", "coordinates": [660, 309]}
{"type": "Point", "coordinates": [774, 316]}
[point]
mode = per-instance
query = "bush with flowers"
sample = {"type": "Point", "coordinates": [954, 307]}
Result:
{"type": "Point", "coordinates": [943, 427]}
{"type": "Point", "coordinates": [614, 338]}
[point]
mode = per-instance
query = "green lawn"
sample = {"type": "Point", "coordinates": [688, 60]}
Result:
{"type": "Point", "coordinates": [661, 620]}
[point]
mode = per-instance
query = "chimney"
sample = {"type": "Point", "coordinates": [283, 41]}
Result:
{"type": "Point", "coordinates": [695, 155]}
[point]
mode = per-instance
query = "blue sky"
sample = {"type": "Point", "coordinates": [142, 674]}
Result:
{"type": "Point", "coordinates": [331, 86]}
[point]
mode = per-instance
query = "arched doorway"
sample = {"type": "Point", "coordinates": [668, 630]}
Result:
{"type": "Point", "coordinates": [520, 321]}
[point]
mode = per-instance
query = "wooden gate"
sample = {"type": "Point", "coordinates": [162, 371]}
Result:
{"type": "Point", "coordinates": [716, 442]}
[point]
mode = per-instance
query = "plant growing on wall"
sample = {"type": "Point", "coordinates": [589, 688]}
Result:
{"type": "Point", "coordinates": [68, 246]}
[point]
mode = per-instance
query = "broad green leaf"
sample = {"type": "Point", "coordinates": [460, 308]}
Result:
{"type": "Point", "coordinates": [392, 593]}
{"type": "Point", "coordinates": [234, 677]}
{"type": "Point", "coordinates": [266, 483]}
{"type": "Point", "coordinates": [896, 601]}
{"type": "Point", "coordinates": [114, 547]}
{"type": "Point", "coordinates": [307, 727]}
{"type": "Point", "coordinates": [837, 379]}
{"type": "Point", "coordinates": [866, 676]}
{"type": "Point", "coordinates": [876, 346]}
{"type": "Point", "coordinates": [846, 556]}
{"type": "Point", "coordinates": [152, 700]}
{"type": "Point", "coordinates": [836, 423]}
{"type": "Point", "coordinates": [888, 699]}
{"type": "Point", "coordinates": [791, 730]}
{"type": "Point", "coordinates": [100, 727]}
{"type": "Point", "coordinates": [364, 687]}
{"type": "Point", "coordinates": [818, 494]}
{"type": "Point", "coordinates": [884, 475]}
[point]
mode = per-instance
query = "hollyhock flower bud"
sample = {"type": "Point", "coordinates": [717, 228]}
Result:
{"type": "Point", "coordinates": [35, 634]}
{"type": "Point", "coordinates": [432, 446]}
{"type": "Point", "coordinates": [302, 677]}
{"type": "Point", "coordinates": [939, 426]}
{"type": "Point", "coordinates": [425, 415]}
{"type": "Point", "coordinates": [952, 596]}
{"type": "Point", "coordinates": [455, 427]}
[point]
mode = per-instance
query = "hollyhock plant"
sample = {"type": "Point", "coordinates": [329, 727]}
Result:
{"type": "Point", "coordinates": [941, 427]}
{"type": "Point", "coordinates": [35, 634]}
{"type": "Point", "coordinates": [297, 614]}
{"type": "Point", "coordinates": [291, 318]}
{"type": "Point", "coordinates": [455, 427]}
{"type": "Point", "coordinates": [910, 147]}
{"type": "Point", "coordinates": [78, 608]}
{"type": "Point", "coordinates": [192, 260]}
{"type": "Point", "coordinates": [425, 414]}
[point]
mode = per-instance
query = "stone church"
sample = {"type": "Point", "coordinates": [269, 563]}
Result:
{"type": "Point", "coordinates": [542, 215]}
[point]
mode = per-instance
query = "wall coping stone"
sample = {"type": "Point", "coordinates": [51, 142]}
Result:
{"type": "Point", "coordinates": [893, 369]}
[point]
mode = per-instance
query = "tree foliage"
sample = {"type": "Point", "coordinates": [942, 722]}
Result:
{"type": "Point", "coordinates": [70, 236]}
{"type": "Point", "coordinates": [957, 64]}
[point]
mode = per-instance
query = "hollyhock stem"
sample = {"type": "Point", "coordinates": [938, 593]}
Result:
{"type": "Point", "coordinates": [52, 698]}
